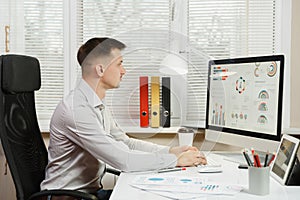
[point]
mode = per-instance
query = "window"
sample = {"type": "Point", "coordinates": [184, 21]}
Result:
{"type": "Point", "coordinates": [213, 29]}
{"type": "Point", "coordinates": [225, 29]}
{"type": "Point", "coordinates": [36, 29]}
{"type": "Point", "coordinates": [53, 30]}
{"type": "Point", "coordinates": [144, 26]}
{"type": "Point", "coordinates": [43, 38]}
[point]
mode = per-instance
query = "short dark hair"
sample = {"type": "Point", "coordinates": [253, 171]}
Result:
{"type": "Point", "coordinates": [96, 47]}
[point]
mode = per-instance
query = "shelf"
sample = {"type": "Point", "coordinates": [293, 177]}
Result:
{"type": "Point", "coordinates": [150, 130]}
{"type": "Point", "coordinates": [291, 131]}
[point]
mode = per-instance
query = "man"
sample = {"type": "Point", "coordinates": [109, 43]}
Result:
{"type": "Point", "coordinates": [83, 133]}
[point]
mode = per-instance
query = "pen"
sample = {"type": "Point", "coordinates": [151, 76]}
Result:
{"type": "Point", "coordinates": [243, 166]}
{"type": "Point", "coordinates": [171, 170]}
{"type": "Point", "coordinates": [257, 160]}
{"type": "Point", "coordinates": [266, 159]}
{"type": "Point", "coordinates": [247, 158]}
{"type": "Point", "coordinates": [254, 161]}
{"type": "Point", "coordinates": [272, 158]}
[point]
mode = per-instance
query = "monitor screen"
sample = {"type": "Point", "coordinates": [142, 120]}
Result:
{"type": "Point", "coordinates": [244, 96]}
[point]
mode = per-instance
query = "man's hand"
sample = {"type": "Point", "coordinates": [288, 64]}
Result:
{"type": "Point", "coordinates": [191, 158]}
{"type": "Point", "coordinates": [178, 150]}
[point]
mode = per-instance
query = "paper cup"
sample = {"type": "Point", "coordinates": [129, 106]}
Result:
{"type": "Point", "coordinates": [185, 136]}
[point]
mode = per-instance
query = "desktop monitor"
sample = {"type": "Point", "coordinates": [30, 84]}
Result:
{"type": "Point", "coordinates": [244, 102]}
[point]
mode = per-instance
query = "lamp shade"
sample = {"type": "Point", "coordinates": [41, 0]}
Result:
{"type": "Point", "coordinates": [173, 65]}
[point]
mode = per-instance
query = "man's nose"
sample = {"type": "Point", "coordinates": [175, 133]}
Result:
{"type": "Point", "coordinates": [123, 70]}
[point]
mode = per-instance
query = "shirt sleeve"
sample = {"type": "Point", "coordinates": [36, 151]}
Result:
{"type": "Point", "coordinates": [117, 150]}
{"type": "Point", "coordinates": [133, 143]}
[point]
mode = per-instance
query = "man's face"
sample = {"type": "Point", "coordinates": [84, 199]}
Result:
{"type": "Point", "coordinates": [114, 71]}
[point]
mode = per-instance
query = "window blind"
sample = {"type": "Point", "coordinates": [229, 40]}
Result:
{"type": "Point", "coordinates": [215, 29]}
{"type": "Point", "coordinates": [144, 27]}
{"type": "Point", "coordinates": [43, 32]}
{"type": "Point", "coordinates": [223, 29]}
{"type": "Point", "coordinates": [36, 29]}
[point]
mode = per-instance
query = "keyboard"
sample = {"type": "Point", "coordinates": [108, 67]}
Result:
{"type": "Point", "coordinates": [213, 166]}
{"type": "Point", "coordinates": [211, 162]}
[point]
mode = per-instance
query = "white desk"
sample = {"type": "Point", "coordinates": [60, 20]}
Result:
{"type": "Point", "coordinates": [231, 174]}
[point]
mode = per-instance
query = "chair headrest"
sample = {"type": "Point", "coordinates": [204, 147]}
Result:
{"type": "Point", "coordinates": [20, 73]}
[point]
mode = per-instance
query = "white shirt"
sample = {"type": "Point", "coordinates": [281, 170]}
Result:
{"type": "Point", "coordinates": [80, 139]}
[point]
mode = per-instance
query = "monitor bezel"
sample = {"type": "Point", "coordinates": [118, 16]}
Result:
{"type": "Point", "coordinates": [280, 96]}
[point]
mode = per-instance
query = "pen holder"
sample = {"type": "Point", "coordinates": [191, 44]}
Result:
{"type": "Point", "coordinates": [259, 180]}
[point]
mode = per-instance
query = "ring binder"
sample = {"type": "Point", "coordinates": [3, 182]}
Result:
{"type": "Point", "coordinates": [166, 102]}
{"type": "Point", "coordinates": [155, 118]}
{"type": "Point", "coordinates": [144, 106]}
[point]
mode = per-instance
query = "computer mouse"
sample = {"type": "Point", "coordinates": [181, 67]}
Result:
{"type": "Point", "coordinates": [210, 170]}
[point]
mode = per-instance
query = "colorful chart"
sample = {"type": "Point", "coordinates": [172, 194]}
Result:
{"type": "Point", "coordinates": [185, 180]}
{"type": "Point", "coordinates": [263, 94]}
{"type": "Point", "coordinates": [262, 119]}
{"type": "Point", "coordinates": [272, 69]}
{"type": "Point", "coordinates": [240, 85]}
{"type": "Point", "coordinates": [209, 187]}
{"type": "Point", "coordinates": [263, 106]}
{"type": "Point", "coordinates": [256, 70]}
{"type": "Point", "coordinates": [218, 115]}
{"type": "Point", "coordinates": [156, 179]}
{"type": "Point", "coordinates": [168, 180]}
{"type": "Point", "coordinates": [239, 116]}
{"type": "Point", "coordinates": [220, 73]}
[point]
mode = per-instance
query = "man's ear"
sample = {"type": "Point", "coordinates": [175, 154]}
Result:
{"type": "Point", "coordinates": [99, 70]}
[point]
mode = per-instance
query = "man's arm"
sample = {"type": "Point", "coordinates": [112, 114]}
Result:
{"type": "Point", "coordinates": [132, 143]}
{"type": "Point", "coordinates": [85, 129]}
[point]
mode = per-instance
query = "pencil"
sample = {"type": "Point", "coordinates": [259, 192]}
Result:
{"type": "Point", "coordinates": [257, 160]}
{"type": "Point", "coordinates": [247, 158]}
{"type": "Point", "coordinates": [272, 158]}
{"type": "Point", "coordinates": [171, 170]}
{"type": "Point", "coordinates": [254, 161]}
{"type": "Point", "coordinates": [266, 159]}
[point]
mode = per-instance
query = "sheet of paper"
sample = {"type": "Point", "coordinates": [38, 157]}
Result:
{"type": "Point", "coordinates": [208, 188]}
{"type": "Point", "coordinates": [157, 179]}
{"type": "Point", "coordinates": [185, 185]}
{"type": "Point", "coordinates": [177, 195]}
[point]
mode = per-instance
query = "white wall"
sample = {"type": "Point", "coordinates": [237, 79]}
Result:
{"type": "Point", "coordinates": [295, 65]}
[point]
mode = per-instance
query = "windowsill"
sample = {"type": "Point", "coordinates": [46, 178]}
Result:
{"type": "Point", "coordinates": [44, 125]}
{"type": "Point", "coordinates": [150, 130]}
{"type": "Point", "coordinates": [292, 131]}
{"type": "Point", "coordinates": [140, 130]}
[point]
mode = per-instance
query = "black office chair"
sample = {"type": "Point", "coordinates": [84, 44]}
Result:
{"type": "Point", "coordinates": [20, 135]}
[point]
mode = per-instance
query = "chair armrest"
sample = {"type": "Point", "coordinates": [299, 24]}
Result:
{"type": "Point", "coordinates": [113, 171]}
{"type": "Point", "coordinates": [66, 193]}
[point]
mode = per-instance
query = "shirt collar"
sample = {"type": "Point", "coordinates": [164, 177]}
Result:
{"type": "Point", "coordinates": [90, 94]}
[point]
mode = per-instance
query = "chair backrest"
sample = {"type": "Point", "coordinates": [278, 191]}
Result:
{"type": "Point", "coordinates": [21, 138]}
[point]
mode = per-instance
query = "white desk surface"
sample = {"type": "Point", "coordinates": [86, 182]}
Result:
{"type": "Point", "coordinates": [231, 175]}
